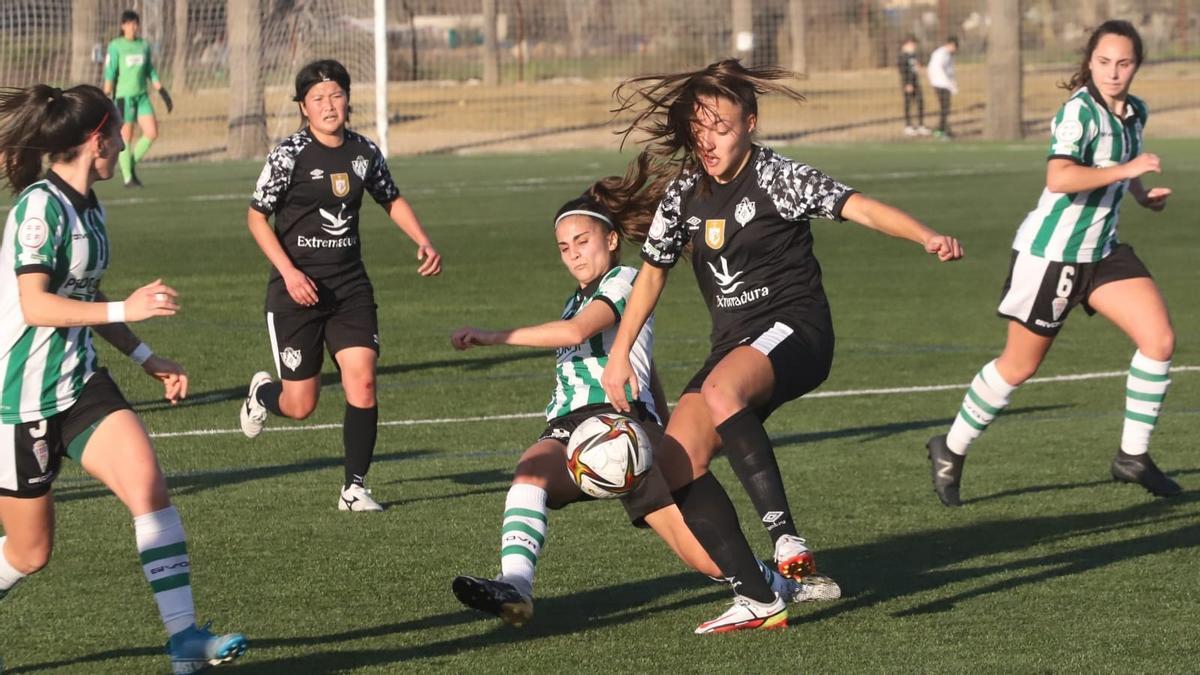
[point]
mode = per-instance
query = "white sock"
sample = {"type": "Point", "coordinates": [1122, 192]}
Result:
{"type": "Point", "coordinates": [163, 551]}
{"type": "Point", "coordinates": [984, 400]}
{"type": "Point", "coordinates": [522, 535]}
{"type": "Point", "coordinates": [1145, 390]}
{"type": "Point", "coordinates": [9, 576]}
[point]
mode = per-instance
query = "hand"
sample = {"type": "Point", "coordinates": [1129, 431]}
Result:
{"type": "Point", "coordinates": [616, 375]}
{"type": "Point", "coordinates": [162, 91]}
{"type": "Point", "coordinates": [153, 299]}
{"type": "Point", "coordinates": [945, 247]}
{"type": "Point", "coordinates": [466, 337]}
{"type": "Point", "coordinates": [171, 374]}
{"type": "Point", "coordinates": [908, 89]}
{"type": "Point", "coordinates": [1156, 198]}
{"type": "Point", "coordinates": [1146, 162]}
{"type": "Point", "coordinates": [432, 265]}
{"type": "Point", "coordinates": [300, 287]}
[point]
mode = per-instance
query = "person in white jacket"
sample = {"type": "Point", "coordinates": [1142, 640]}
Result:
{"type": "Point", "coordinates": [941, 78]}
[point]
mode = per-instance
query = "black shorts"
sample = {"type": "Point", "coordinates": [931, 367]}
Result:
{"type": "Point", "coordinates": [298, 335]}
{"type": "Point", "coordinates": [31, 452]}
{"type": "Point", "coordinates": [652, 493]}
{"type": "Point", "coordinates": [800, 351]}
{"type": "Point", "coordinates": [1040, 293]}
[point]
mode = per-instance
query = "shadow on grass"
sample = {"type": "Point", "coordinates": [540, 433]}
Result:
{"type": "Point", "coordinates": [880, 431]}
{"type": "Point", "coordinates": [189, 484]}
{"type": "Point", "coordinates": [937, 561]}
{"type": "Point", "coordinates": [587, 610]}
{"type": "Point", "coordinates": [329, 379]}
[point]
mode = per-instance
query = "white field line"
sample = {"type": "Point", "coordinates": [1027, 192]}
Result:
{"type": "Point", "coordinates": [844, 393]}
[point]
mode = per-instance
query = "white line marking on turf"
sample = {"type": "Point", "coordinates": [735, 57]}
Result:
{"type": "Point", "coordinates": [844, 393]}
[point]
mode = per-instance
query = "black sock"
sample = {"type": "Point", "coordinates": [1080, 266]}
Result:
{"type": "Point", "coordinates": [268, 397]}
{"type": "Point", "coordinates": [752, 458]}
{"type": "Point", "coordinates": [711, 517]}
{"type": "Point", "coordinates": [358, 437]}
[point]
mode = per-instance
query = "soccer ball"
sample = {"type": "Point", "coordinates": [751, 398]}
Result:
{"type": "Point", "coordinates": [608, 455]}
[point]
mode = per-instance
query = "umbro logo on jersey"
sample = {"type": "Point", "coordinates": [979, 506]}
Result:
{"type": "Point", "coordinates": [336, 226]}
{"type": "Point", "coordinates": [360, 167]}
{"type": "Point", "coordinates": [291, 358]}
{"type": "Point", "coordinates": [744, 212]}
{"type": "Point", "coordinates": [693, 222]}
{"type": "Point", "coordinates": [317, 174]}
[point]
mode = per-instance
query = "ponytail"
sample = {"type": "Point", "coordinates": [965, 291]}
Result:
{"type": "Point", "coordinates": [633, 198]}
{"type": "Point", "coordinates": [47, 121]}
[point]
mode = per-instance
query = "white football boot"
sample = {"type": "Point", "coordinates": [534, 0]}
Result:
{"type": "Point", "coordinates": [253, 414]}
{"type": "Point", "coordinates": [746, 614]}
{"type": "Point", "coordinates": [357, 498]}
{"type": "Point", "coordinates": [793, 558]}
{"type": "Point", "coordinates": [811, 588]}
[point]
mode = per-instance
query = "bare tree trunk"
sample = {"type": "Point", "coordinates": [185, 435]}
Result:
{"type": "Point", "coordinates": [179, 57]}
{"type": "Point", "coordinates": [491, 54]}
{"type": "Point", "coordinates": [798, 18]}
{"type": "Point", "coordinates": [247, 135]}
{"type": "Point", "coordinates": [1003, 119]}
{"type": "Point", "coordinates": [743, 30]}
{"type": "Point", "coordinates": [85, 35]}
{"type": "Point", "coordinates": [576, 17]}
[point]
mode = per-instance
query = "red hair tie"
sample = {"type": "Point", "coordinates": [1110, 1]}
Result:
{"type": "Point", "coordinates": [100, 126]}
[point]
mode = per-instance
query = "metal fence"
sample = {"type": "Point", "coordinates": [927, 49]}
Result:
{"type": "Point", "coordinates": [557, 61]}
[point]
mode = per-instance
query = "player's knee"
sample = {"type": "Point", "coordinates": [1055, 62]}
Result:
{"type": "Point", "coordinates": [1161, 347]}
{"type": "Point", "coordinates": [721, 402]}
{"type": "Point", "coordinates": [361, 394]}
{"type": "Point", "coordinates": [31, 558]}
{"type": "Point", "coordinates": [300, 409]}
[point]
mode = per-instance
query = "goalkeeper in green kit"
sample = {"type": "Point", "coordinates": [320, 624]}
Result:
{"type": "Point", "coordinates": [127, 68]}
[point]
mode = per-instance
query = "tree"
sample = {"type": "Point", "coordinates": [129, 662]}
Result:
{"type": "Point", "coordinates": [84, 29]}
{"type": "Point", "coordinates": [247, 135]}
{"type": "Point", "coordinates": [1003, 119]}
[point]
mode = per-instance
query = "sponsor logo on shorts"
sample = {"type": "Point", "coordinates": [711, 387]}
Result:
{"type": "Point", "coordinates": [340, 183]}
{"type": "Point", "coordinates": [291, 358]}
{"type": "Point", "coordinates": [360, 167]}
{"type": "Point", "coordinates": [1047, 324]}
{"type": "Point", "coordinates": [560, 434]}
{"type": "Point", "coordinates": [744, 211]}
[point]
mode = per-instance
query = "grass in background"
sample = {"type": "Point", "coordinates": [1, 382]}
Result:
{"type": "Point", "coordinates": [1048, 567]}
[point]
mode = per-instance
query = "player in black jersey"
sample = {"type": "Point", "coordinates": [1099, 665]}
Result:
{"type": "Point", "coordinates": [319, 294]}
{"type": "Point", "coordinates": [743, 211]}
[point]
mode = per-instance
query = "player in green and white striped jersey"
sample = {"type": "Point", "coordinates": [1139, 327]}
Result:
{"type": "Point", "coordinates": [1066, 253]}
{"type": "Point", "coordinates": [588, 230]}
{"type": "Point", "coordinates": [54, 400]}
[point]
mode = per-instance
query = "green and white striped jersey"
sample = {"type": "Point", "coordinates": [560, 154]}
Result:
{"type": "Point", "coordinates": [577, 381]}
{"type": "Point", "coordinates": [54, 230]}
{"type": "Point", "coordinates": [1082, 226]}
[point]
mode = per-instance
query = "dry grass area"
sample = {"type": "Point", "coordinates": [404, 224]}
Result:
{"type": "Point", "coordinates": [554, 115]}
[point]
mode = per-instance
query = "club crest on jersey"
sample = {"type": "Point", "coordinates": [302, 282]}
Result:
{"type": "Point", "coordinates": [341, 184]}
{"type": "Point", "coordinates": [41, 452]}
{"type": "Point", "coordinates": [360, 167]}
{"type": "Point", "coordinates": [33, 233]}
{"type": "Point", "coordinates": [744, 211]}
{"type": "Point", "coordinates": [714, 233]}
{"type": "Point", "coordinates": [290, 357]}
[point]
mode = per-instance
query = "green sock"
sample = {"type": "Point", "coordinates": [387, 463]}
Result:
{"type": "Point", "coordinates": [125, 159]}
{"type": "Point", "coordinates": [141, 148]}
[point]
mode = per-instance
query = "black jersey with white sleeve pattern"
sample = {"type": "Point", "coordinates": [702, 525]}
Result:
{"type": "Point", "coordinates": [751, 240]}
{"type": "Point", "coordinates": [315, 193]}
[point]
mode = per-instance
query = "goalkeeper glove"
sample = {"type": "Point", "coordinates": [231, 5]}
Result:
{"type": "Point", "coordinates": [167, 99]}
